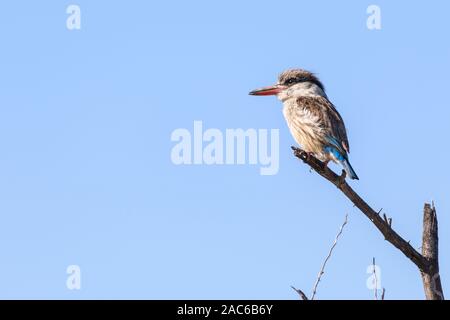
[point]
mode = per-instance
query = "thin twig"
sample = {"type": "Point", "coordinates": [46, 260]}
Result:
{"type": "Point", "coordinates": [322, 269]}
{"type": "Point", "coordinates": [300, 293]}
{"type": "Point", "coordinates": [382, 294]}
{"type": "Point", "coordinates": [427, 262]}
{"type": "Point", "coordinates": [375, 277]}
{"type": "Point", "coordinates": [386, 219]}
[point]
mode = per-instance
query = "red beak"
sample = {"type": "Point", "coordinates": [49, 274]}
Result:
{"type": "Point", "coordinates": [268, 91]}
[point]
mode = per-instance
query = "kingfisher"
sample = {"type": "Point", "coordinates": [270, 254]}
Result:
{"type": "Point", "coordinates": [313, 120]}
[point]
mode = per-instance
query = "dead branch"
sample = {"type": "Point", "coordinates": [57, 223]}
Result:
{"type": "Point", "coordinates": [322, 269]}
{"type": "Point", "coordinates": [430, 250]}
{"type": "Point", "coordinates": [427, 262]}
{"type": "Point", "coordinates": [376, 278]}
{"type": "Point", "coordinates": [300, 293]}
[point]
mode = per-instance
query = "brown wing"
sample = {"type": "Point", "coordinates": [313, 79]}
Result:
{"type": "Point", "coordinates": [338, 126]}
{"type": "Point", "coordinates": [329, 116]}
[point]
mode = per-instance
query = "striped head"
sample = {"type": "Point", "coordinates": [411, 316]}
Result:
{"type": "Point", "coordinates": [294, 83]}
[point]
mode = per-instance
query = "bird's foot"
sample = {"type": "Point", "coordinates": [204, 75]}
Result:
{"type": "Point", "coordinates": [325, 163]}
{"type": "Point", "coordinates": [302, 154]}
{"type": "Point", "coordinates": [308, 155]}
{"type": "Point", "coordinates": [341, 179]}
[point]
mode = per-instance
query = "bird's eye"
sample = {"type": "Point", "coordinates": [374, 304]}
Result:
{"type": "Point", "coordinates": [291, 81]}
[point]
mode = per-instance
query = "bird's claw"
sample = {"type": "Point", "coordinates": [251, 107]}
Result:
{"type": "Point", "coordinates": [341, 178]}
{"type": "Point", "coordinates": [325, 164]}
{"type": "Point", "coordinates": [300, 153]}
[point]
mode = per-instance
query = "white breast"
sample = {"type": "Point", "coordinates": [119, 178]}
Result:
{"type": "Point", "coordinates": [304, 126]}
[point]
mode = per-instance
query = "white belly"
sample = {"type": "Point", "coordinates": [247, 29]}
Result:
{"type": "Point", "coordinates": [305, 128]}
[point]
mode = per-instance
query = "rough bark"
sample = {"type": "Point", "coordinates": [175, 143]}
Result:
{"type": "Point", "coordinates": [427, 262]}
{"type": "Point", "coordinates": [430, 251]}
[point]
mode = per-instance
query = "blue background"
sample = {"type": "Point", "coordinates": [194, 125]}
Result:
{"type": "Point", "coordinates": [85, 171]}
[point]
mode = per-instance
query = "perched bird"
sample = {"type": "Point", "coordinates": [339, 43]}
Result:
{"type": "Point", "coordinates": [312, 119]}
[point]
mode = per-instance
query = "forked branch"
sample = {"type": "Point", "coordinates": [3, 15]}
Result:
{"type": "Point", "coordinates": [427, 262]}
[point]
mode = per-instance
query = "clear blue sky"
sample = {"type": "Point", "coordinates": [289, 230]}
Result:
{"type": "Point", "coordinates": [85, 171]}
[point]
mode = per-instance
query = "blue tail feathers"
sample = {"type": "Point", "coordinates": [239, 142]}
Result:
{"type": "Point", "coordinates": [348, 169]}
{"type": "Point", "coordinates": [343, 161]}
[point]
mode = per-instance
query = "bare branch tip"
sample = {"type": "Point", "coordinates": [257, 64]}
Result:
{"type": "Point", "coordinates": [330, 252]}
{"type": "Point", "coordinates": [300, 293]}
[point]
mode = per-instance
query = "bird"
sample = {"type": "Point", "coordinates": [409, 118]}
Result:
{"type": "Point", "coordinates": [313, 120]}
